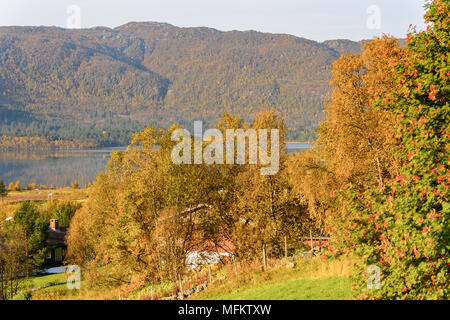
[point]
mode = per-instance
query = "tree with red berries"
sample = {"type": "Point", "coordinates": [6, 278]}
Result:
{"type": "Point", "coordinates": [401, 227]}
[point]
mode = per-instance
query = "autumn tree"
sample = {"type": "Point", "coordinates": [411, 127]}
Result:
{"type": "Point", "coordinates": [91, 224]}
{"type": "Point", "coordinates": [13, 263]}
{"type": "Point", "coordinates": [127, 200]}
{"type": "Point", "coordinates": [263, 206]}
{"type": "Point", "coordinates": [75, 185]}
{"type": "Point", "coordinates": [17, 186]}
{"type": "Point", "coordinates": [31, 186]}
{"type": "Point", "coordinates": [355, 140]}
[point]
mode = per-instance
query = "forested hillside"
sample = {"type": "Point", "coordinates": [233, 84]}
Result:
{"type": "Point", "coordinates": [100, 84]}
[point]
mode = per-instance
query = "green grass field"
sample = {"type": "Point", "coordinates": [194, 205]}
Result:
{"type": "Point", "coordinates": [45, 279]}
{"type": "Point", "coordinates": [51, 280]}
{"type": "Point", "coordinates": [303, 289]}
{"type": "Point", "coordinates": [310, 279]}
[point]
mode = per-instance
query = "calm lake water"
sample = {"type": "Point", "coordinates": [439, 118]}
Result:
{"type": "Point", "coordinates": [61, 168]}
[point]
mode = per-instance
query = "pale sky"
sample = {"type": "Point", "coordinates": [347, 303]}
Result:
{"type": "Point", "coordinates": [313, 19]}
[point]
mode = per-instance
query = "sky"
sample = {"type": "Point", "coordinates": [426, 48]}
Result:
{"type": "Point", "coordinates": [312, 19]}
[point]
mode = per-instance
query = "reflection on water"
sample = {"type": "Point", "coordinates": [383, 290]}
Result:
{"type": "Point", "coordinates": [61, 168]}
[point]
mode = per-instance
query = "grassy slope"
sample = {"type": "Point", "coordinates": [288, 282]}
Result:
{"type": "Point", "coordinates": [39, 281]}
{"type": "Point", "coordinates": [310, 280]}
{"type": "Point", "coordinates": [46, 279]}
{"type": "Point", "coordinates": [302, 289]}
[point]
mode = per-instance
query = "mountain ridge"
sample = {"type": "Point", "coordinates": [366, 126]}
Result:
{"type": "Point", "coordinates": [78, 83]}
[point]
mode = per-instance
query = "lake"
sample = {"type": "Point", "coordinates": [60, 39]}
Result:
{"type": "Point", "coordinates": [61, 168]}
